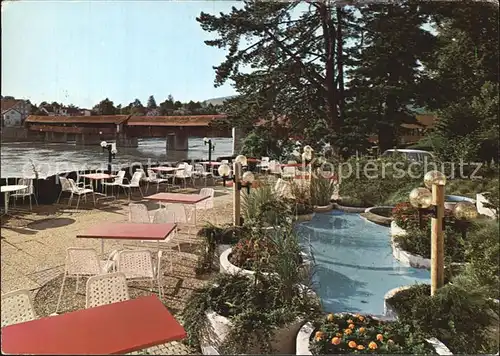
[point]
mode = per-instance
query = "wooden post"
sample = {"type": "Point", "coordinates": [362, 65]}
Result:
{"type": "Point", "coordinates": [236, 193]}
{"type": "Point", "coordinates": [437, 240]}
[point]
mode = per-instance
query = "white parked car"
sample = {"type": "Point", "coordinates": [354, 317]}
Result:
{"type": "Point", "coordinates": [411, 155]}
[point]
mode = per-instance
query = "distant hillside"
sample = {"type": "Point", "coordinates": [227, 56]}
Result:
{"type": "Point", "coordinates": [216, 101]}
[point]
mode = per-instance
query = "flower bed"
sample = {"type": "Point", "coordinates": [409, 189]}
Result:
{"type": "Point", "coordinates": [353, 333]}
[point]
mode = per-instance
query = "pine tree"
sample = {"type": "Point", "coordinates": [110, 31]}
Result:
{"type": "Point", "coordinates": [151, 103]}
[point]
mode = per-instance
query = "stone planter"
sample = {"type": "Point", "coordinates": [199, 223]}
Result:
{"type": "Point", "coordinates": [349, 209]}
{"type": "Point", "coordinates": [396, 230]}
{"type": "Point", "coordinates": [227, 267]}
{"type": "Point", "coordinates": [372, 215]}
{"type": "Point", "coordinates": [283, 341]}
{"type": "Point", "coordinates": [323, 208]}
{"type": "Point", "coordinates": [409, 259]}
{"type": "Point", "coordinates": [304, 217]}
{"type": "Point", "coordinates": [482, 199]}
{"type": "Point", "coordinates": [388, 309]}
{"type": "Point", "coordinates": [220, 250]}
{"type": "Point", "coordinates": [306, 331]}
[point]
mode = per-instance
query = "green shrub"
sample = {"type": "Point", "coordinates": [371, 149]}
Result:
{"type": "Point", "coordinates": [418, 242]}
{"type": "Point", "coordinates": [264, 207]}
{"type": "Point", "coordinates": [322, 190]}
{"type": "Point", "coordinates": [461, 318]}
{"type": "Point", "coordinates": [482, 250]}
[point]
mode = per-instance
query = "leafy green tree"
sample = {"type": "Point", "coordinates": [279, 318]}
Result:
{"type": "Point", "coordinates": [291, 48]}
{"type": "Point", "coordinates": [462, 84]}
{"type": "Point", "coordinates": [385, 74]}
{"type": "Point", "coordinates": [105, 107]}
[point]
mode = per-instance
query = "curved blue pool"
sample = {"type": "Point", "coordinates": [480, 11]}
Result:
{"type": "Point", "coordinates": [355, 266]}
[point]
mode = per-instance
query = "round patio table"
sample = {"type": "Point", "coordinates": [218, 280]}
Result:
{"type": "Point", "coordinates": [6, 189]}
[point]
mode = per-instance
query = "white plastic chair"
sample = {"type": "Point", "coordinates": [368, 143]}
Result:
{"type": "Point", "coordinates": [118, 181]}
{"type": "Point", "coordinates": [135, 182]}
{"type": "Point", "coordinates": [184, 174]}
{"type": "Point", "coordinates": [83, 262]}
{"type": "Point", "coordinates": [65, 187]}
{"type": "Point", "coordinates": [137, 265]}
{"type": "Point", "coordinates": [153, 178]}
{"type": "Point", "coordinates": [165, 216]}
{"type": "Point", "coordinates": [199, 171]}
{"type": "Point", "coordinates": [264, 164]}
{"type": "Point", "coordinates": [17, 307]}
{"type": "Point", "coordinates": [80, 181]}
{"type": "Point", "coordinates": [274, 167]}
{"type": "Point", "coordinates": [288, 172]}
{"type": "Point", "coordinates": [75, 190]}
{"type": "Point", "coordinates": [106, 289]}
{"type": "Point", "coordinates": [207, 203]}
{"type": "Point", "coordinates": [138, 213]}
{"type": "Point", "coordinates": [28, 192]}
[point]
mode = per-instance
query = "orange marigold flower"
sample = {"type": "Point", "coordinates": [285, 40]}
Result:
{"type": "Point", "coordinates": [356, 315]}
{"type": "Point", "coordinates": [347, 331]}
{"type": "Point", "coordinates": [319, 335]}
{"type": "Point", "coordinates": [351, 326]}
{"type": "Point", "coordinates": [336, 341]}
{"type": "Point", "coordinates": [372, 345]}
{"type": "Point", "coordinates": [380, 337]}
{"type": "Point", "coordinates": [362, 330]}
{"type": "Point", "coordinates": [349, 321]}
{"type": "Point", "coordinates": [338, 335]}
{"type": "Point", "coordinates": [330, 317]}
{"type": "Point", "coordinates": [360, 347]}
{"type": "Point", "coordinates": [361, 318]}
{"type": "Point", "coordinates": [352, 344]}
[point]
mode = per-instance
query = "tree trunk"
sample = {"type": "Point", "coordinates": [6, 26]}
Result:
{"type": "Point", "coordinates": [340, 65]}
{"type": "Point", "coordinates": [331, 87]}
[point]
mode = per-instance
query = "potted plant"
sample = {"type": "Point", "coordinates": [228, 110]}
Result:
{"type": "Point", "coordinates": [346, 333]}
{"type": "Point", "coordinates": [263, 208]}
{"type": "Point", "coordinates": [301, 201]}
{"type": "Point", "coordinates": [239, 315]}
{"type": "Point", "coordinates": [322, 190]}
{"type": "Point", "coordinates": [260, 253]}
{"type": "Point", "coordinates": [216, 239]}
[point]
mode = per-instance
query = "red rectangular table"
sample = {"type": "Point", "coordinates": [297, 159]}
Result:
{"type": "Point", "coordinates": [186, 199]}
{"type": "Point", "coordinates": [128, 231]}
{"type": "Point", "coordinates": [116, 328]}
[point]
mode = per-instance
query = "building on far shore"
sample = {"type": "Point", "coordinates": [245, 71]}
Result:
{"type": "Point", "coordinates": [14, 111]}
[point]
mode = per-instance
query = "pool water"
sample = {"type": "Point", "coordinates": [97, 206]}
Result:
{"type": "Point", "coordinates": [354, 263]}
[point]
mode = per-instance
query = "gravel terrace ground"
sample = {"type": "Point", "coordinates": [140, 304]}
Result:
{"type": "Point", "coordinates": [33, 248]}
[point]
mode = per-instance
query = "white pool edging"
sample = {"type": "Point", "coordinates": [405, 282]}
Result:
{"type": "Point", "coordinates": [304, 337]}
{"type": "Point", "coordinates": [322, 208]}
{"type": "Point", "coordinates": [388, 309]}
{"type": "Point", "coordinates": [403, 256]}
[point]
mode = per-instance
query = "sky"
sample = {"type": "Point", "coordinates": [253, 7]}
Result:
{"type": "Point", "coordinates": [80, 52]}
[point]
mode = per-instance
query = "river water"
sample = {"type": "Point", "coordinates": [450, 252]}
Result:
{"type": "Point", "coordinates": [18, 158]}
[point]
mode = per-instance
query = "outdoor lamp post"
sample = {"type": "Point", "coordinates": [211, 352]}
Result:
{"type": "Point", "coordinates": [307, 158]}
{"type": "Point", "coordinates": [111, 147]}
{"type": "Point", "coordinates": [211, 147]}
{"type": "Point", "coordinates": [464, 212]}
{"type": "Point", "coordinates": [240, 181]}
{"type": "Point", "coordinates": [433, 202]}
